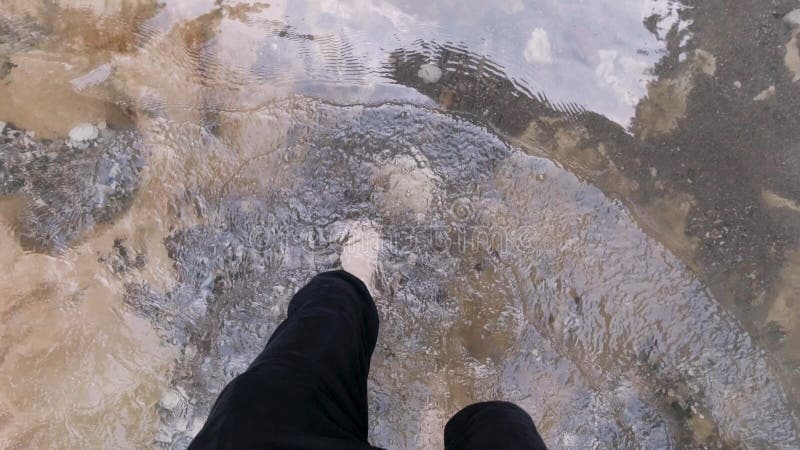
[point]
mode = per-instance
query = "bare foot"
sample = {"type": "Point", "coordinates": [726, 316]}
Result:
{"type": "Point", "coordinates": [360, 252]}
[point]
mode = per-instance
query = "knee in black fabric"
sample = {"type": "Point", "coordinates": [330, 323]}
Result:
{"type": "Point", "coordinates": [339, 288]}
{"type": "Point", "coordinates": [492, 425]}
{"type": "Point", "coordinates": [329, 310]}
{"type": "Point", "coordinates": [308, 387]}
{"type": "Point", "coordinates": [337, 284]}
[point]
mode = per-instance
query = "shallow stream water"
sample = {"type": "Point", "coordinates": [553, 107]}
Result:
{"type": "Point", "coordinates": [587, 208]}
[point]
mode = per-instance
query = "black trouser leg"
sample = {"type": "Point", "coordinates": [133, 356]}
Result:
{"type": "Point", "coordinates": [308, 388]}
{"type": "Point", "coordinates": [492, 426]}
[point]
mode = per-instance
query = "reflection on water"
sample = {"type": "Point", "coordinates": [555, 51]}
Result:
{"type": "Point", "coordinates": [500, 166]}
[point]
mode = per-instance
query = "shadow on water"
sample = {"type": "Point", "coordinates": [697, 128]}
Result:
{"type": "Point", "coordinates": [629, 282]}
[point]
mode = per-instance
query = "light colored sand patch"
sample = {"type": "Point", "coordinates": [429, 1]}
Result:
{"type": "Point", "coordinates": [667, 217]}
{"type": "Point", "coordinates": [783, 309]}
{"type": "Point", "coordinates": [664, 106]}
{"type": "Point", "coordinates": [38, 95]}
{"type": "Point", "coordinates": [79, 371]}
{"type": "Point", "coordinates": [792, 57]}
{"type": "Point", "coordinates": [706, 62]}
{"type": "Point", "coordinates": [574, 147]}
{"type": "Point", "coordinates": [664, 216]}
{"type": "Point", "coordinates": [38, 8]}
{"type": "Point", "coordinates": [774, 200]}
{"type": "Point", "coordinates": [408, 184]}
{"type": "Point", "coordinates": [766, 94]}
{"type": "Point", "coordinates": [71, 344]}
{"type": "Point", "coordinates": [783, 316]}
{"type": "Point", "coordinates": [667, 98]}
{"type": "Point", "coordinates": [81, 25]}
{"type": "Point", "coordinates": [257, 154]}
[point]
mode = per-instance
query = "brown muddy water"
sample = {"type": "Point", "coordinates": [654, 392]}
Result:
{"type": "Point", "coordinates": [588, 208]}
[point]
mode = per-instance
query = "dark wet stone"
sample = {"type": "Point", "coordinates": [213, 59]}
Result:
{"type": "Point", "coordinates": [122, 258]}
{"type": "Point", "coordinates": [148, 303]}
{"type": "Point", "coordinates": [775, 334]}
{"type": "Point", "coordinates": [476, 85]}
{"type": "Point", "coordinates": [16, 37]}
{"type": "Point", "coordinates": [5, 68]}
{"type": "Point", "coordinates": [68, 190]}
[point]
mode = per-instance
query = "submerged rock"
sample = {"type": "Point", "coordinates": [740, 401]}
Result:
{"type": "Point", "coordinates": [429, 73]}
{"type": "Point", "coordinates": [792, 19]}
{"type": "Point", "coordinates": [93, 78]}
{"type": "Point", "coordinates": [84, 132]}
{"type": "Point", "coordinates": [69, 190]}
{"type": "Point", "coordinates": [766, 94]}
